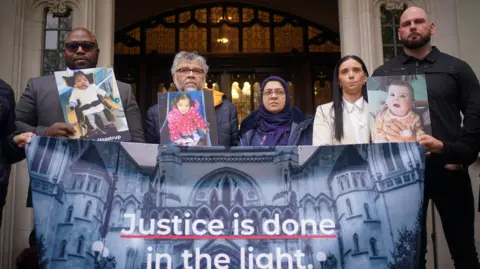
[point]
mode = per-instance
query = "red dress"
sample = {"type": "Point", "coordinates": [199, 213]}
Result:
{"type": "Point", "coordinates": [185, 125]}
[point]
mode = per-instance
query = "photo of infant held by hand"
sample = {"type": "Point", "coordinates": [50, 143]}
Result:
{"type": "Point", "coordinates": [397, 121]}
{"type": "Point", "coordinates": [85, 95]}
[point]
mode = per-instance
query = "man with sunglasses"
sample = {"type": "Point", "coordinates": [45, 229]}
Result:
{"type": "Point", "coordinates": [39, 109]}
{"type": "Point", "coordinates": [189, 72]}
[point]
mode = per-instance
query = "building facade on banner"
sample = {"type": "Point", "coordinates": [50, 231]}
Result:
{"type": "Point", "coordinates": [331, 184]}
{"type": "Point", "coordinates": [32, 38]}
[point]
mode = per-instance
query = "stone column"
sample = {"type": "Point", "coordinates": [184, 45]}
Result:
{"type": "Point", "coordinates": [11, 15]}
{"type": "Point", "coordinates": [366, 33]}
{"type": "Point", "coordinates": [23, 54]}
{"type": "Point", "coordinates": [467, 18]}
{"type": "Point", "coordinates": [356, 30]}
{"type": "Point", "coordinates": [104, 30]}
{"type": "Point", "coordinates": [444, 14]}
{"type": "Point", "coordinates": [349, 27]}
{"type": "Point", "coordinates": [84, 15]}
{"type": "Point", "coordinates": [98, 17]}
{"type": "Point", "coordinates": [10, 22]}
{"type": "Point", "coordinates": [11, 25]}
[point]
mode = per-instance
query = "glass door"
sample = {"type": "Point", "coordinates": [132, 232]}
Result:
{"type": "Point", "coordinates": [243, 88]}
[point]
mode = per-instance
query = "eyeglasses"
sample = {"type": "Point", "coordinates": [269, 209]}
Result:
{"type": "Point", "coordinates": [278, 92]}
{"type": "Point", "coordinates": [186, 71]}
{"type": "Point", "coordinates": [86, 46]}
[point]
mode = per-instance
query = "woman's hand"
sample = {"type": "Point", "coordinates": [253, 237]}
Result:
{"type": "Point", "coordinates": [394, 129]}
{"type": "Point", "coordinates": [22, 139]}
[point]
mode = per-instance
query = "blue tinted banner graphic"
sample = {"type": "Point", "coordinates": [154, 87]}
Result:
{"type": "Point", "coordinates": [124, 205]}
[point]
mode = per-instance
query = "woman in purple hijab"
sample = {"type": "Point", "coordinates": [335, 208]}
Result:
{"type": "Point", "coordinates": [276, 122]}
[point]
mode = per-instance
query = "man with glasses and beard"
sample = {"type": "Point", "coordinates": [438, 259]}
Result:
{"type": "Point", "coordinates": [453, 89]}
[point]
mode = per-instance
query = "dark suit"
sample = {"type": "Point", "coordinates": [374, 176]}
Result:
{"type": "Point", "coordinates": [39, 107]}
{"type": "Point", "coordinates": [9, 153]}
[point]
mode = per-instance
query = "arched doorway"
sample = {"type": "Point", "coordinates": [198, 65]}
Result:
{"type": "Point", "coordinates": [243, 44]}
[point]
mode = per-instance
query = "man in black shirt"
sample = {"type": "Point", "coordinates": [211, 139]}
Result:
{"type": "Point", "coordinates": [452, 89]}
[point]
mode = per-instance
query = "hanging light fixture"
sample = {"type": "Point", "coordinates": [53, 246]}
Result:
{"type": "Point", "coordinates": [223, 40]}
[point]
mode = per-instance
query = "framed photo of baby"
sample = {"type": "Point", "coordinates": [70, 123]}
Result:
{"type": "Point", "coordinates": [187, 118]}
{"type": "Point", "coordinates": [398, 108]}
{"type": "Point", "coordinates": [91, 103]}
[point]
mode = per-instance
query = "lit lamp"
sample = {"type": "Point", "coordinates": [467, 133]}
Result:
{"type": "Point", "coordinates": [235, 90]}
{"type": "Point", "coordinates": [321, 257]}
{"type": "Point", "coordinates": [103, 260]}
{"type": "Point", "coordinates": [223, 40]}
{"type": "Point", "coordinates": [97, 247]}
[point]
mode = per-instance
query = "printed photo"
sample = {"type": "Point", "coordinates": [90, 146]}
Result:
{"type": "Point", "coordinates": [187, 118]}
{"type": "Point", "coordinates": [91, 103]}
{"type": "Point", "coordinates": [398, 108]}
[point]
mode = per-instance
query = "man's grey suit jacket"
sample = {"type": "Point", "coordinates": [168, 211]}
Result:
{"type": "Point", "coordinates": [39, 107]}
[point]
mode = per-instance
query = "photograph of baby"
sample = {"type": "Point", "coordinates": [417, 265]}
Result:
{"type": "Point", "coordinates": [187, 118]}
{"type": "Point", "coordinates": [91, 103]}
{"type": "Point", "coordinates": [398, 108]}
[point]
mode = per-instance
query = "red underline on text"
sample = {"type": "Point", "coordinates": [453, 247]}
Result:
{"type": "Point", "coordinates": [227, 237]}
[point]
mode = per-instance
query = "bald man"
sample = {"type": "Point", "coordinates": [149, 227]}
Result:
{"type": "Point", "coordinates": [453, 89]}
{"type": "Point", "coordinates": [39, 110]}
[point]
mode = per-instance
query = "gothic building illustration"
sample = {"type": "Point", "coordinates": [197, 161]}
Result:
{"type": "Point", "coordinates": [82, 189]}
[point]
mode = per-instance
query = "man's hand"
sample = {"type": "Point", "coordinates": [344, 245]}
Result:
{"type": "Point", "coordinates": [430, 143]}
{"type": "Point", "coordinates": [59, 129]}
{"type": "Point", "coordinates": [454, 167]}
{"type": "Point", "coordinates": [22, 139]}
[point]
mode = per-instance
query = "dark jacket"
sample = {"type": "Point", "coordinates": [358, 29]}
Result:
{"type": "Point", "coordinates": [452, 89]}
{"type": "Point", "coordinates": [9, 153]}
{"type": "Point", "coordinates": [227, 124]}
{"type": "Point", "coordinates": [300, 134]}
{"type": "Point", "coordinates": [39, 107]}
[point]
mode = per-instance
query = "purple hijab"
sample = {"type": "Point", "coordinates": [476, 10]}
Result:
{"type": "Point", "coordinates": [277, 126]}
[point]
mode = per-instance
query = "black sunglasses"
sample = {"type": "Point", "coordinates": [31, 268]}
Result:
{"type": "Point", "coordinates": [86, 46]}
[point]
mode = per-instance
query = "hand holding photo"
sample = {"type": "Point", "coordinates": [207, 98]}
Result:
{"type": "Point", "coordinates": [91, 103]}
{"type": "Point", "coordinates": [399, 107]}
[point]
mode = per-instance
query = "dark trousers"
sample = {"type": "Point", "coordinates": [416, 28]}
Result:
{"type": "Point", "coordinates": [3, 199]}
{"type": "Point", "coordinates": [451, 193]}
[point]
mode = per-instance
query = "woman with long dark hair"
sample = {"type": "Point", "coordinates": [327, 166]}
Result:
{"type": "Point", "coordinates": [345, 119]}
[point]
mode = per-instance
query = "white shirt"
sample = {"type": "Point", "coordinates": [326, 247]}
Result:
{"type": "Point", "coordinates": [88, 96]}
{"type": "Point", "coordinates": [356, 112]}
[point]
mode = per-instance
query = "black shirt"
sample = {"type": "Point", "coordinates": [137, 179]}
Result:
{"type": "Point", "coordinates": [452, 88]}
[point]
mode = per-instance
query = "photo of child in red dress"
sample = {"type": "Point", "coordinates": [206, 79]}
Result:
{"type": "Point", "coordinates": [187, 118]}
{"type": "Point", "coordinates": [184, 121]}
